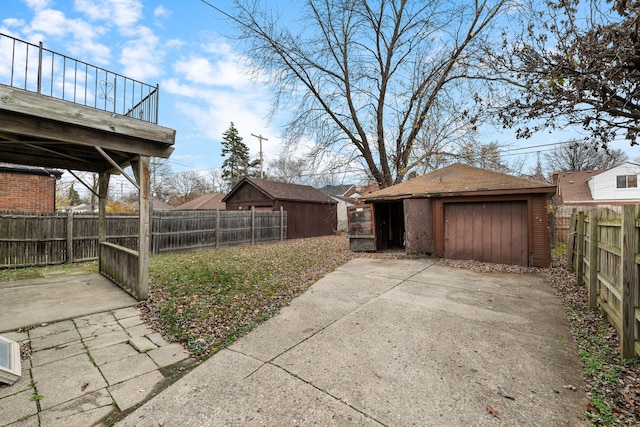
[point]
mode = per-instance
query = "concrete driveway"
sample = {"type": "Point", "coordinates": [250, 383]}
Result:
{"type": "Point", "coordinates": [393, 343]}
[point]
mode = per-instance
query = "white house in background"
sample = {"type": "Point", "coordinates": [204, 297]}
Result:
{"type": "Point", "coordinates": [618, 184]}
{"type": "Point", "coordinates": [345, 195]}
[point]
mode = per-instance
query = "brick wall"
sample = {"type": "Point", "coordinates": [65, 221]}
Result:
{"type": "Point", "coordinates": [27, 192]}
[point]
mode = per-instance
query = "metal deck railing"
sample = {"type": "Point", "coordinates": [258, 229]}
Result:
{"type": "Point", "coordinates": [31, 67]}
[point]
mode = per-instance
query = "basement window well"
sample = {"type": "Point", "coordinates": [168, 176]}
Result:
{"type": "Point", "coordinates": [10, 369]}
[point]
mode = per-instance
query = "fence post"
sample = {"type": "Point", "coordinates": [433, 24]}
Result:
{"type": "Point", "coordinates": [593, 259]}
{"type": "Point", "coordinates": [253, 224]}
{"type": "Point", "coordinates": [70, 237]}
{"type": "Point", "coordinates": [571, 238]}
{"type": "Point", "coordinates": [580, 249]}
{"type": "Point", "coordinates": [629, 245]}
{"type": "Point", "coordinates": [281, 223]}
{"type": "Point", "coordinates": [217, 228]}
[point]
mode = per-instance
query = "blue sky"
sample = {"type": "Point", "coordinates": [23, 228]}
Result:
{"type": "Point", "coordinates": [184, 47]}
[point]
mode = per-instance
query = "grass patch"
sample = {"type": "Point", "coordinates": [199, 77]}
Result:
{"type": "Point", "coordinates": [559, 249]}
{"type": "Point", "coordinates": [207, 299]}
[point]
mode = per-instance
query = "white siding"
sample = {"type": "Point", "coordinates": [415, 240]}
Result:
{"type": "Point", "coordinates": [603, 186]}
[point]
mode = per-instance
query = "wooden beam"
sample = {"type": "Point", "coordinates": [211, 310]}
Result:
{"type": "Point", "coordinates": [103, 191]}
{"type": "Point", "coordinates": [51, 162]}
{"type": "Point", "coordinates": [117, 167]}
{"type": "Point", "coordinates": [44, 107]}
{"type": "Point", "coordinates": [41, 128]}
{"type": "Point", "coordinates": [141, 171]}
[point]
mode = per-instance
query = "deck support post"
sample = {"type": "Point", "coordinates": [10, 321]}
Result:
{"type": "Point", "coordinates": [141, 171]}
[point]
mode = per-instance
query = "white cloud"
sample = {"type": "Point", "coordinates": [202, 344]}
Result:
{"type": "Point", "coordinates": [124, 14]}
{"type": "Point", "coordinates": [161, 12]}
{"type": "Point", "coordinates": [38, 4]}
{"type": "Point", "coordinates": [79, 36]}
{"type": "Point", "coordinates": [13, 22]}
{"type": "Point", "coordinates": [49, 21]}
{"type": "Point", "coordinates": [142, 56]}
{"type": "Point", "coordinates": [225, 71]}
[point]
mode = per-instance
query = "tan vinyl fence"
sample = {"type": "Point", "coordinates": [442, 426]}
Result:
{"type": "Point", "coordinates": [58, 238]}
{"type": "Point", "coordinates": [604, 250]}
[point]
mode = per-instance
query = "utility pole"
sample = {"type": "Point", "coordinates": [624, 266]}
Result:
{"type": "Point", "coordinates": [260, 138]}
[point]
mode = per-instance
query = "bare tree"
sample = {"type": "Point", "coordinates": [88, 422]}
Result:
{"type": "Point", "coordinates": [366, 76]}
{"type": "Point", "coordinates": [576, 64]}
{"type": "Point", "coordinates": [485, 156]}
{"type": "Point", "coordinates": [577, 156]}
{"type": "Point", "coordinates": [288, 168]}
{"type": "Point", "coordinates": [186, 186]}
{"type": "Point", "coordinates": [161, 177]}
{"type": "Point", "coordinates": [215, 183]}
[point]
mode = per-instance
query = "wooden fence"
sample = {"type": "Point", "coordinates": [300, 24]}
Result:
{"type": "Point", "coordinates": [57, 238]}
{"type": "Point", "coordinates": [560, 220]}
{"type": "Point", "coordinates": [604, 251]}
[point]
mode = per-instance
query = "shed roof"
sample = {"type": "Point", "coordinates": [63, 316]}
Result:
{"type": "Point", "coordinates": [30, 170]}
{"type": "Point", "coordinates": [277, 190]}
{"type": "Point", "coordinates": [337, 190]}
{"type": "Point", "coordinates": [459, 179]}
{"type": "Point", "coordinates": [207, 201]}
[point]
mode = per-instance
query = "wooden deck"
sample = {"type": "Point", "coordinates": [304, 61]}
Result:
{"type": "Point", "coordinates": [38, 130]}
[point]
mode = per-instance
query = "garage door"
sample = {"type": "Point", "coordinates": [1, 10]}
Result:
{"type": "Point", "coordinates": [490, 232]}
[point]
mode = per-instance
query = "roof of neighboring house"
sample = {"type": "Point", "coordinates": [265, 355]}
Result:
{"type": "Point", "coordinates": [338, 190]}
{"type": "Point", "coordinates": [156, 205]}
{"type": "Point", "coordinates": [31, 170]}
{"type": "Point", "coordinates": [207, 201]}
{"type": "Point", "coordinates": [573, 186]}
{"type": "Point", "coordinates": [459, 179]}
{"type": "Point", "coordinates": [348, 200]}
{"type": "Point", "coordinates": [277, 190]}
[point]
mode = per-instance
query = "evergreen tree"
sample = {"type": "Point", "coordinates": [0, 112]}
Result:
{"type": "Point", "coordinates": [73, 196]}
{"type": "Point", "coordinates": [236, 164]}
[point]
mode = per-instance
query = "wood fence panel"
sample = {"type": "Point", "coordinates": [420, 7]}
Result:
{"type": "Point", "coordinates": [31, 240]}
{"type": "Point", "coordinates": [121, 266]}
{"type": "Point", "coordinates": [27, 239]}
{"type": "Point", "coordinates": [611, 259]}
{"type": "Point", "coordinates": [183, 230]}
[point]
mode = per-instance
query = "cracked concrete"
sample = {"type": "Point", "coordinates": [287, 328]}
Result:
{"type": "Point", "coordinates": [392, 343]}
{"type": "Point", "coordinates": [82, 370]}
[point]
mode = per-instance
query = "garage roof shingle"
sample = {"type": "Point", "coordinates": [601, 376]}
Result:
{"type": "Point", "coordinates": [458, 178]}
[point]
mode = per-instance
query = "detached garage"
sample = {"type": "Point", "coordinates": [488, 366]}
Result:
{"type": "Point", "coordinates": [458, 212]}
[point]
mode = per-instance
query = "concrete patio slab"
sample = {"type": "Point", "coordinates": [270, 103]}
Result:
{"type": "Point", "coordinates": [18, 406]}
{"type": "Point", "coordinates": [68, 357]}
{"type": "Point", "coordinates": [87, 403]}
{"type": "Point", "coordinates": [59, 352]}
{"type": "Point", "coordinates": [32, 302]}
{"type": "Point", "coordinates": [127, 368]}
{"type": "Point", "coordinates": [168, 355]}
{"type": "Point", "coordinates": [66, 379]}
{"type": "Point", "coordinates": [91, 417]}
{"type": "Point", "coordinates": [129, 393]}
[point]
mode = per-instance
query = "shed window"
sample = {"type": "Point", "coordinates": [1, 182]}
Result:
{"type": "Point", "coordinates": [627, 181]}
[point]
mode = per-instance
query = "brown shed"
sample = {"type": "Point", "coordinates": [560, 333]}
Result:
{"type": "Point", "coordinates": [310, 212]}
{"type": "Point", "coordinates": [459, 212]}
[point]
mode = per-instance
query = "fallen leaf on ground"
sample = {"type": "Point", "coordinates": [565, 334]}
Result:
{"type": "Point", "coordinates": [492, 411]}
